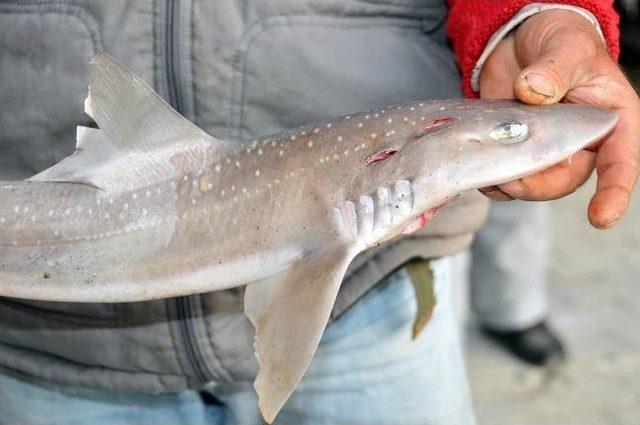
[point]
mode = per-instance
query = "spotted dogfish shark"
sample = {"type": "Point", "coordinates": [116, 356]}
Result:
{"type": "Point", "coordinates": [150, 206]}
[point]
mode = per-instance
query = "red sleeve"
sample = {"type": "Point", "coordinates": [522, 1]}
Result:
{"type": "Point", "coordinates": [472, 23]}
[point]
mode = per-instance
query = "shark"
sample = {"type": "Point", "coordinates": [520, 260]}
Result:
{"type": "Point", "coordinates": [150, 206]}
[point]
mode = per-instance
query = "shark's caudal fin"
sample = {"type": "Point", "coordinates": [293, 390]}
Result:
{"type": "Point", "coordinates": [138, 133]}
{"type": "Point", "coordinates": [289, 312]}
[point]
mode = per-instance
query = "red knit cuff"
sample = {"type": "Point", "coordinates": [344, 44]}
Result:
{"type": "Point", "coordinates": [472, 23]}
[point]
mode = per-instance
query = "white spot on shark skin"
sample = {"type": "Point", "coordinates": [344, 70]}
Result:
{"type": "Point", "coordinates": [328, 125]}
{"type": "Point", "coordinates": [366, 117]}
{"type": "Point", "coordinates": [339, 138]}
{"type": "Point", "coordinates": [321, 160]}
{"type": "Point", "coordinates": [316, 130]}
{"type": "Point", "coordinates": [50, 213]}
{"type": "Point", "coordinates": [293, 137]}
{"type": "Point", "coordinates": [281, 152]}
{"type": "Point", "coordinates": [259, 153]}
{"type": "Point", "coordinates": [348, 117]}
{"type": "Point", "coordinates": [16, 209]}
{"type": "Point", "coordinates": [359, 125]}
{"type": "Point", "coordinates": [2, 220]}
{"type": "Point", "coordinates": [390, 120]}
{"type": "Point", "coordinates": [374, 135]}
{"type": "Point", "coordinates": [238, 164]}
{"type": "Point", "coordinates": [33, 218]}
{"type": "Point", "coordinates": [310, 143]}
{"type": "Point", "coordinates": [257, 173]}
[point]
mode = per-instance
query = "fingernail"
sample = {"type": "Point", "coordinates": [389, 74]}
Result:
{"type": "Point", "coordinates": [515, 188]}
{"type": "Point", "coordinates": [540, 84]}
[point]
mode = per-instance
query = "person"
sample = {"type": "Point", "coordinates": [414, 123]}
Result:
{"type": "Point", "coordinates": [241, 69]}
{"type": "Point", "coordinates": [508, 280]}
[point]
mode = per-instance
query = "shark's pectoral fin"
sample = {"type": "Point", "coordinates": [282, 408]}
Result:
{"type": "Point", "coordinates": [289, 312]}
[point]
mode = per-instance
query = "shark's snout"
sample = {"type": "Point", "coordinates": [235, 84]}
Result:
{"type": "Point", "coordinates": [585, 125]}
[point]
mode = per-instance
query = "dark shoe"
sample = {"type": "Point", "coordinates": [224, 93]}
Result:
{"type": "Point", "coordinates": [536, 345]}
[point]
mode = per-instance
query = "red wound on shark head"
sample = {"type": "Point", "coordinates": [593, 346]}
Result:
{"type": "Point", "coordinates": [379, 156]}
{"type": "Point", "coordinates": [420, 221]}
{"type": "Point", "coordinates": [433, 127]}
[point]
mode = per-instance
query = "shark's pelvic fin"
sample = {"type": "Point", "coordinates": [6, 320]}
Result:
{"type": "Point", "coordinates": [289, 312]}
{"type": "Point", "coordinates": [138, 135]}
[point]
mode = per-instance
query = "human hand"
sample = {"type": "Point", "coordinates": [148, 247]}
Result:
{"type": "Point", "coordinates": [558, 55]}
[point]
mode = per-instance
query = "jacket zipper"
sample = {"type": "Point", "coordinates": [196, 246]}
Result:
{"type": "Point", "coordinates": [183, 304]}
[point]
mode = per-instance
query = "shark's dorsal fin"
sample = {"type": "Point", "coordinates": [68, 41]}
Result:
{"type": "Point", "coordinates": [289, 312]}
{"type": "Point", "coordinates": [139, 134]}
{"type": "Point", "coordinates": [130, 113]}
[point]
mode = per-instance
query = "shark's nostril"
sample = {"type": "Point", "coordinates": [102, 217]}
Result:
{"type": "Point", "coordinates": [379, 156]}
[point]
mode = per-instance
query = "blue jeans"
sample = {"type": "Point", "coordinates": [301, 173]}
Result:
{"type": "Point", "coordinates": [367, 370]}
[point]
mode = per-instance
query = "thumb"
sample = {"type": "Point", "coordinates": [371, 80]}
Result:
{"type": "Point", "coordinates": [563, 59]}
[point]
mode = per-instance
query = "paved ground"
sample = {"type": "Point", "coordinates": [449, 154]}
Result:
{"type": "Point", "coordinates": [595, 292]}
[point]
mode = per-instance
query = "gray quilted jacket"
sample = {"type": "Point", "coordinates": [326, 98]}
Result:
{"type": "Point", "coordinates": [238, 69]}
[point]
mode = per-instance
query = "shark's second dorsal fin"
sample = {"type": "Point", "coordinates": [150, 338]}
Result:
{"type": "Point", "coordinates": [138, 135]}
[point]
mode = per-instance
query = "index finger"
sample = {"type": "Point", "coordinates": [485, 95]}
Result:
{"type": "Point", "coordinates": [617, 164]}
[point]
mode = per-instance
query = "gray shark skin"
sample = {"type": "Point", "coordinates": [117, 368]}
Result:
{"type": "Point", "coordinates": [150, 206]}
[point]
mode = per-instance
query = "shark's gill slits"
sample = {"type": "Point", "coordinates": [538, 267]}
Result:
{"type": "Point", "coordinates": [379, 156]}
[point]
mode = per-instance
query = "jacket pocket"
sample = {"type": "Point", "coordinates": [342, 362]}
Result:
{"type": "Point", "coordinates": [300, 69]}
{"type": "Point", "coordinates": [45, 49]}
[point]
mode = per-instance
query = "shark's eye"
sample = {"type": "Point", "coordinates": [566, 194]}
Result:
{"type": "Point", "coordinates": [510, 132]}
